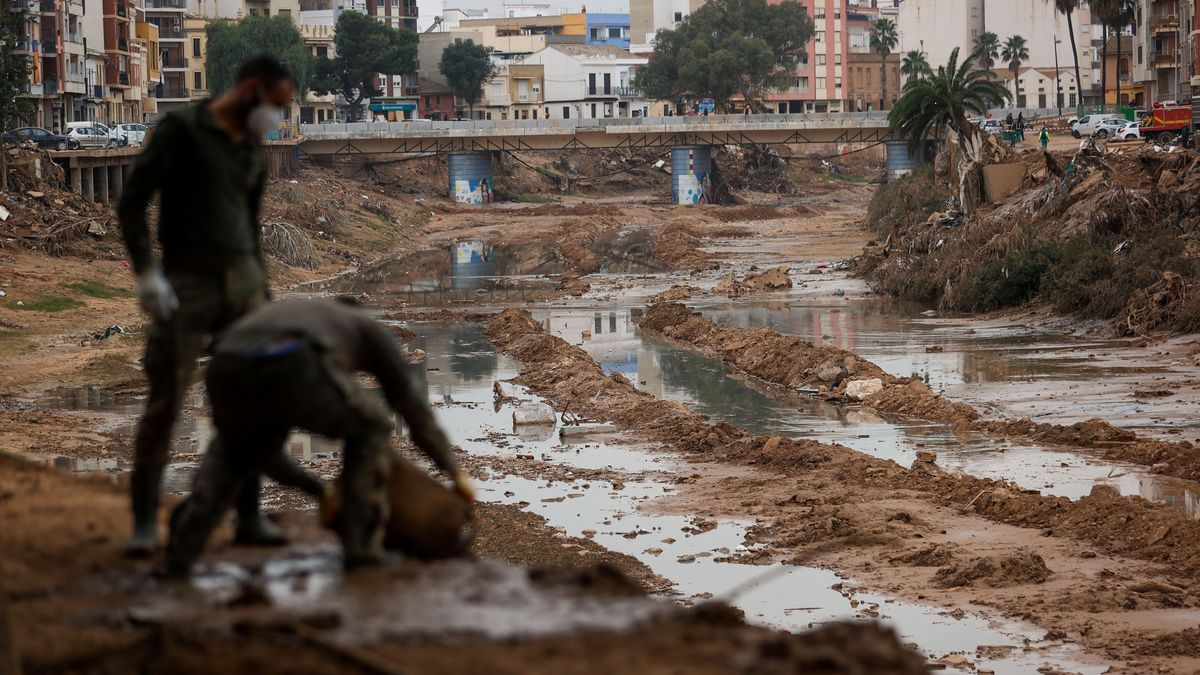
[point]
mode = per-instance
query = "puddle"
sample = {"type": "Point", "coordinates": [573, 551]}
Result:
{"type": "Point", "coordinates": [675, 374]}
{"type": "Point", "coordinates": [474, 272]}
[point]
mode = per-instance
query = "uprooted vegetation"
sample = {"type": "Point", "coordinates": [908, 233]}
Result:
{"type": "Point", "coordinates": [1108, 233]}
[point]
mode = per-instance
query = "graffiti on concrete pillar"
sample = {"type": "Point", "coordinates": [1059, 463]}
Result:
{"type": "Point", "coordinates": [473, 191]}
{"type": "Point", "coordinates": [693, 188]}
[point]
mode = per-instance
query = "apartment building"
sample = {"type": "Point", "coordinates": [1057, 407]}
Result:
{"type": "Point", "coordinates": [588, 82]}
{"type": "Point", "coordinates": [820, 84]}
{"type": "Point", "coordinates": [608, 30]}
{"type": "Point", "coordinates": [864, 83]}
{"type": "Point", "coordinates": [1164, 51]}
{"type": "Point", "coordinates": [647, 17]}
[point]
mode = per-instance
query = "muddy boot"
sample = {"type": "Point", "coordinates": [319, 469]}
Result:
{"type": "Point", "coordinates": [253, 528]}
{"type": "Point", "coordinates": [144, 500]}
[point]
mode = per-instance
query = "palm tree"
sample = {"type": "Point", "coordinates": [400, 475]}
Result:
{"type": "Point", "coordinates": [987, 49]}
{"type": "Point", "coordinates": [1067, 8]}
{"type": "Point", "coordinates": [1015, 51]}
{"type": "Point", "coordinates": [1113, 15]}
{"type": "Point", "coordinates": [883, 41]}
{"type": "Point", "coordinates": [914, 64]}
{"type": "Point", "coordinates": [932, 106]}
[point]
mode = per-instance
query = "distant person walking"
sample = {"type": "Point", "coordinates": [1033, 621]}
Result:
{"type": "Point", "coordinates": [207, 165]}
{"type": "Point", "coordinates": [1044, 138]}
{"type": "Point", "coordinates": [1020, 126]}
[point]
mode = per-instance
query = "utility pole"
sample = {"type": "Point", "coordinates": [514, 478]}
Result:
{"type": "Point", "coordinates": [1057, 77]}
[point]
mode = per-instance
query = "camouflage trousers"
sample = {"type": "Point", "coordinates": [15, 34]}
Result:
{"type": "Point", "coordinates": [257, 401]}
{"type": "Point", "coordinates": [208, 302]}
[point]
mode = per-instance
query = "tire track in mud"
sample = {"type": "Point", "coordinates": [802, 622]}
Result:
{"type": "Point", "coordinates": [791, 362]}
{"type": "Point", "coordinates": [846, 502]}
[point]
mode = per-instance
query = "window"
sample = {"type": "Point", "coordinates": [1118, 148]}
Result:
{"type": "Point", "coordinates": [837, 59]}
{"type": "Point", "coordinates": [595, 33]}
{"type": "Point", "coordinates": [678, 17]}
{"type": "Point", "coordinates": [196, 80]}
{"type": "Point", "coordinates": [820, 36]}
{"type": "Point", "coordinates": [615, 33]}
{"type": "Point", "coordinates": [566, 112]}
{"type": "Point", "coordinates": [819, 13]}
{"type": "Point", "coordinates": [323, 52]}
{"type": "Point", "coordinates": [196, 47]}
{"type": "Point", "coordinates": [820, 59]}
{"type": "Point", "coordinates": [284, 12]}
{"type": "Point", "coordinates": [820, 84]}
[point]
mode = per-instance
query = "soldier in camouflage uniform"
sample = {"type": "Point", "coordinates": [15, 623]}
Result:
{"type": "Point", "coordinates": [207, 164]}
{"type": "Point", "coordinates": [293, 364]}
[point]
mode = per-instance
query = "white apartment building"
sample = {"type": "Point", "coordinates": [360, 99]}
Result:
{"type": "Point", "coordinates": [647, 17]}
{"type": "Point", "coordinates": [589, 81]}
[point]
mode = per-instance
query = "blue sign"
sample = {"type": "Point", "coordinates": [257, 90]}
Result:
{"type": "Point", "coordinates": [389, 107]}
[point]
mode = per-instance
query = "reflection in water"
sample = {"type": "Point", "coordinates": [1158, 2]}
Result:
{"type": "Point", "coordinates": [706, 385]}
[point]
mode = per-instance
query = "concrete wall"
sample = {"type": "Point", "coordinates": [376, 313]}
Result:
{"type": "Point", "coordinates": [939, 26]}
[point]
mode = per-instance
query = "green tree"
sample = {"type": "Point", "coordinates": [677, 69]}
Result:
{"type": "Point", "coordinates": [932, 106]}
{"type": "Point", "coordinates": [467, 67]}
{"type": "Point", "coordinates": [914, 64]}
{"type": "Point", "coordinates": [232, 43]}
{"type": "Point", "coordinates": [987, 49]}
{"type": "Point", "coordinates": [1067, 8]}
{"type": "Point", "coordinates": [728, 48]}
{"type": "Point", "coordinates": [365, 48]}
{"type": "Point", "coordinates": [883, 40]}
{"type": "Point", "coordinates": [14, 73]}
{"type": "Point", "coordinates": [1015, 51]}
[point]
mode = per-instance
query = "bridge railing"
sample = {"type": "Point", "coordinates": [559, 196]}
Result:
{"type": "Point", "coordinates": [571, 126]}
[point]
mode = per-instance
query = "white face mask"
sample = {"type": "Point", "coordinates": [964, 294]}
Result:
{"type": "Point", "coordinates": [264, 119]}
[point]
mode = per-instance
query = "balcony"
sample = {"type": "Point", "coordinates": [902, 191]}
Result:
{"type": "Point", "coordinates": [73, 37]}
{"type": "Point", "coordinates": [164, 4]}
{"type": "Point", "coordinates": [122, 45]}
{"type": "Point", "coordinates": [47, 7]}
{"type": "Point", "coordinates": [168, 92]}
{"type": "Point", "coordinates": [50, 88]}
{"type": "Point", "coordinates": [1164, 24]}
{"type": "Point", "coordinates": [32, 89]}
{"type": "Point", "coordinates": [21, 4]}
{"type": "Point", "coordinates": [49, 38]}
{"type": "Point", "coordinates": [613, 92]}
{"type": "Point", "coordinates": [123, 79]}
{"type": "Point", "coordinates": [530, 97]}
{"type": "Point", "coordinates": [170, 33]}
{"type": "Point", "coordinates": [74, 78]}
{"type": "Point", "coordinates": [198, 94]}
{"type": "Point", "coordinates": [174, 63]}
{"type": "Point", "coordinates": [97, 92]}
{"type": "Point", "coordinates": [1164, 61]}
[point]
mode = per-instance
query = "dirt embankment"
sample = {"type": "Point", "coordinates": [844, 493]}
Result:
{"type": "Point", "coordinates": [1107, 232]}
{"type": "Point", "coordinates": [76, 605]}
{"type": "Point", "coordinates": [791, 362]}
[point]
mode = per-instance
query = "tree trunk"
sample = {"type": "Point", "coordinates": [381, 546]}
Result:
{"type": "Point", "coordinates": [3, 167]}
{"type": "Point", "coordinates": [1104, 72]}
{"type": "Point", "coordinates": [1015, 67]}
{"type": "Point", "coordinates": [883, 83]}
{"type": "Point", "coordinates": [1075, 52]}
{"type": "Point", "coordinates": [1118, 69]}
{"type": "Point", "coordinates": [969, 173]}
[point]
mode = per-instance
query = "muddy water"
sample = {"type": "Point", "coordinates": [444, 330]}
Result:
{"type": "Point", "coordinates": [671, 373]}
{"type": "Point", "coordinates": [692, 553]}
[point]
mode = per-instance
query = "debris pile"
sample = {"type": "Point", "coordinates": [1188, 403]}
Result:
{"type": "Point", "coordinates": [40, 213]}
{"type": "Point", "coordinates": [1109, 232]}
{"type": "Point", "coordinates": [772, 279]}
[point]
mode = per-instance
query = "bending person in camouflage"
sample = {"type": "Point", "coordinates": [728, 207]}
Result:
{"type": "Point", "coordinates": [207, 164]}
{"type": "Point", "coordinates": [293, 364]}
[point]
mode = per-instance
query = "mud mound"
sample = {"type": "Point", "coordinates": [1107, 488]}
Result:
{"type": "Point", "coordinates": [678, 245]}
{"type": "Point", "coordinates": [569, 378]}
{"type": "Point", "coordinates": [674, 294]}
{"type": "Point", "coordinates": [998, 572]}
{"type": "Point", "coordinates": [748, 213]}
{"type": "Point", "coordinates": [843, 648]}
{"type": "Point", "coordinates": [1180, 643]}
{"type": "Point", "coordinates": [933, 555]}
{"type": "Point", "coordinates": [791, 362]}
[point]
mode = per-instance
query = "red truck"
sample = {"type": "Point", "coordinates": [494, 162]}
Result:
{"type": "Point", "coordinates": [1165, 120]}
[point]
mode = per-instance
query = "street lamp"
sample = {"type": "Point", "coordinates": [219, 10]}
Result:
{"type": "Point", "coordinates": [1057, 77]}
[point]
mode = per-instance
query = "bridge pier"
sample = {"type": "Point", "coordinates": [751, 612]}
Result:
{"type": "Point", "coordinates": [900, 162]}
{"type": "Point", "coordinates": [691, 175]}
{"type": "Point", "coordinates": [470, 177]}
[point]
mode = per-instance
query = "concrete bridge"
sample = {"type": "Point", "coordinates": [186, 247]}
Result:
{"type": "Point", "coordinates": [470, 144]}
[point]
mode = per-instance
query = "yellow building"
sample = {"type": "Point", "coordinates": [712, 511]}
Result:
{"type": "Point", "coordinates": [152, 75]}
{"type": "Point", "coordinates": [574, 24]}
{"type": "Point", "coordinates": [195, 44]}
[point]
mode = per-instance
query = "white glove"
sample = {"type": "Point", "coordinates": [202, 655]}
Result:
{"type": "Point", "coordinates": [155, 294]}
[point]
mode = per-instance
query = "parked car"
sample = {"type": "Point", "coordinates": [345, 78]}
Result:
{"type": "Point", "coordinates": [91, 135]}
{"type": "Point", "coordinates": [41, 137]}
{"type": "Point", "coordinates": [1089, 125]}
{"type": "Point", "coordinates": [129, 134]}
{"type": "Point", "coordinates": [992, 127]}
{"type": "Point", "coordinates": [1130, 130]}
{"type": "Point", "coordinates": [1108, 128]}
